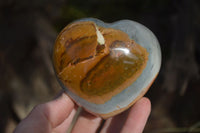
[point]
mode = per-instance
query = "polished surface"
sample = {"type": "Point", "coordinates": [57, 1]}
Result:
{"type": "Point", "coordinates": [97, 63]}
{"type": "Point", "coordinates": [102, 67]}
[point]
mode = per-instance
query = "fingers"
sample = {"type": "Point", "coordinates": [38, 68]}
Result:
{"type": "Point", "coordinates": [115, 124]}
{"type": "Point", "coordinates": [63, 127]}
{"type": "Point", "coordinates": [47, 116]}
{"type": "Point", "coordinates": [86, 123]}
{"type": "Point", "coordinates": [130, 121]}
{"type": "Point", "coordinates": [58, 110]}
{"type": "Point", "coordinates": [137, 117]}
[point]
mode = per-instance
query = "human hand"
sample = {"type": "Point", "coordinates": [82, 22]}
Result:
{"type": "Point", "coordinates": [56, 117]}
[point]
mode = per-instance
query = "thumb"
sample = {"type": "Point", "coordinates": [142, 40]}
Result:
{"type": "Point", "coordinates": [45, 117]}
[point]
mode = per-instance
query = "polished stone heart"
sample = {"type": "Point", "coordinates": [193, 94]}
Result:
{"type": "Point", "coordinates": [105, 68]}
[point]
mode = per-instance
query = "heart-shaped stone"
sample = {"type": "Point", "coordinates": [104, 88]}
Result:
{"type": "Point", "coordinates": [106, 68]}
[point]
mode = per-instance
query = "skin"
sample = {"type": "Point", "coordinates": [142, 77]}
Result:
{"type": "Point", "coordinates": [55, 117]}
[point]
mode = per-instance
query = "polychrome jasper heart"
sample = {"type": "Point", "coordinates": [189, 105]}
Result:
{"type": "Point", "coordinates": [105, 67]}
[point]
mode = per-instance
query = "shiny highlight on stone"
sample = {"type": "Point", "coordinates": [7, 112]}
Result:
{"type": "Point", "coordinates": [97, 63]}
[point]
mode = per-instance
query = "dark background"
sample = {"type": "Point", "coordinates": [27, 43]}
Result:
{"type": "Point", "coordinates": [28, 30]}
